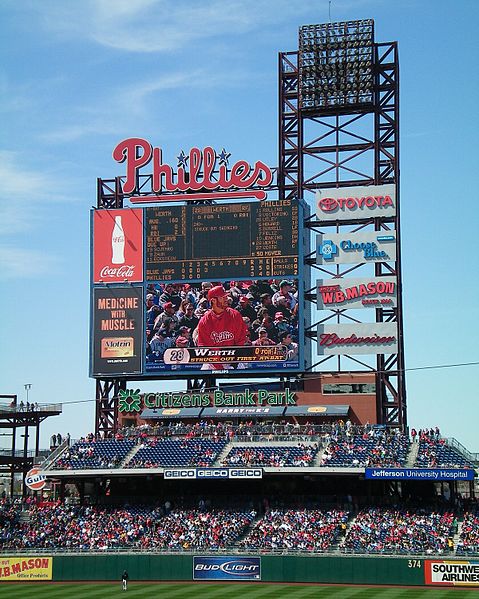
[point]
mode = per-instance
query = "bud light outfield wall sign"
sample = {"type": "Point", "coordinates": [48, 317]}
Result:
{"type": "Point", "coordinates": [360, 338]}
{"type": "Point", "coordinates": [202, 172]}
{"type": "Point", "coordinates": [117, 246]}
{"type": "Point", "coordinates": [367, 292]}
{"type": "Point", "coordinates": [355, 203]}
{"type": "Point", "coordinates": [354, 248]}
{"type": "Point", "coordinates": [228, 567]}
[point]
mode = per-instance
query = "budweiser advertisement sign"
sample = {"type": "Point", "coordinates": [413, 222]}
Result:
{"type": "Point", "coordinates": [359, 338]}
{"type": "Point", "coordinates": [203, 173]}
{"type": "Point", "coordinates": [355, 248]}
{"type": "Point", "coordinates": [355, 203]}
{"type": "Point", "coordinates": [368, 292]}
{"type": "Point", "coordinates": [118, 246]}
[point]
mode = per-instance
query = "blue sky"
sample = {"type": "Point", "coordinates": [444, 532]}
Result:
{"type": "Point", "coordinates": [77, 77]}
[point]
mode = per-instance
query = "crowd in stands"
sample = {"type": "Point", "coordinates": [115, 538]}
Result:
{"type": "Point", "coordinates": [91, 454]}
{"type": "Point", "coordinates": [300, 530]}
{"type": "Point", "coordinates": [174, 452]}
{"type": "Point", "coordinates": [343, 444]}
{"type": "Point", "coordinates": [142, 527]}
{"type": "Point", "coordinates": [419, 531]}
{"type": "Point", "coordinates": [434, 451]}
{"type": "Point", "coordinates": [162, 527]}
{"type": "Point", "coordinates": [269, 310]}
{"type": "Point", "coordinates": [367, 448]}
{"type": "Point", "coordinates": [275, 456]}
{"type": "Point", "coordinates": [469, 538]}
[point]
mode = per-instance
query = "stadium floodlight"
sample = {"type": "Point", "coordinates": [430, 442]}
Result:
{"type": "Point", "coordinates": [336, 64]}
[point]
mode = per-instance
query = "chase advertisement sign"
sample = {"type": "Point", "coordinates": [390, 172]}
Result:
{"type": "Point", "coordinates": [230, 567]}
{"type": "Point", "coordinates": [354, 248]}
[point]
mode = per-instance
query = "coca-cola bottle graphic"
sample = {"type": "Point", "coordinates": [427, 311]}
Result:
{"type": "Point", "coordinates": [118, 243]}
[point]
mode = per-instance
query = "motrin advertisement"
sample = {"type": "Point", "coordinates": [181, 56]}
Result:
{"type": "Point", "coordinates": [354, 248]}
{"type": "Point", "coordinates": [360, 338]}
{"type": "Point", "coordinates": [117, 330]}
{"type": "Point", "coordinates": [356, 203]}
{"type": "Point", "coordinates": [367, 292]}
{"type": "Point", "coordinates": [117, 246]}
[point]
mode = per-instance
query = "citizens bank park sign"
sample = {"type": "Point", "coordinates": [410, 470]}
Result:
{"type": "Point", "coordinates": [368, 292]}
{"type": "Point", "coordinates": [356, 203]}
{"type": "Point", "coordinates": [203, 173]}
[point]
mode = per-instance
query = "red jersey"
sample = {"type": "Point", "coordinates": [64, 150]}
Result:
{"type": "Point", "coordinates": [220, 330]}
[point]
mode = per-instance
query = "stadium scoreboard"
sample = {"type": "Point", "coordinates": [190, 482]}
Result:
{"type": "Point", "coordinates": [222, 241]}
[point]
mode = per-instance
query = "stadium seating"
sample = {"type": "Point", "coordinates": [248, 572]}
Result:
{"type": "Point", "coordinates": [87, 455]}
{"type": "Point", "coordinates": [174, 453]}
{"type": "Point", "coordinates": [275, 456]}
{"type": "Point", "coordinates": [469, 539]}
{"type": "Point", "coordinates": [436, 452]}
{"type": "Point", "coordinates": [296, 530]}
{"type": "Point", "coordinates": [421, 531]}
{"type": "Point", "coordinates": [374, 448]}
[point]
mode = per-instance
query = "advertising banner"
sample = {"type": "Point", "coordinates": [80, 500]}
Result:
{"type": "Point", "coordinates": [204, 326]}
{"type": "Point", "coordinates": [228, 567]}
{"type": "Point", "coordinates": [117, 330]}
{"type": "Point", "coordinates": [198, 473]}
{"type": "Point", "coordinates": [355, 203]}
{"type": "Point", "coordinates": [118, 246]}
{"type": "Point", "coordinates": [451, 573]}
{"type": "Point", "coordinates": [26, 568]}
{"type": "Point", "coordinates": [360, 338]}
{"type": "Point", "coordinates": [353, 248]}
{"type": "Point", "coordinates": [434, 474]}
{"type": "Point", "coordinates": [368, 292]}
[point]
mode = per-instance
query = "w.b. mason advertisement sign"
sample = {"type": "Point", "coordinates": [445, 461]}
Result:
{"type": "Point", "coordinates": [366, 292]}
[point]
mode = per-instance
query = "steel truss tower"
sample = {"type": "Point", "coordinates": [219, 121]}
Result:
{"type": "Point", "coordinates": [339, 127]}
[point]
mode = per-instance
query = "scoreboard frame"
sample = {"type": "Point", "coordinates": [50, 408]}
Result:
{"type": "Point", "coordinates": [266, 369]}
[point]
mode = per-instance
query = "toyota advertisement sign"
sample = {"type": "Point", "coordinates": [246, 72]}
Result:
{"type": "Point", "coordinates": [356, 203]}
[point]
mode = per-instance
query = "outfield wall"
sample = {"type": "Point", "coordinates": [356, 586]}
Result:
{"type": "Point", "coordinates": [372, 570]}
{"type": "Point", "coordinates": [266, 568]}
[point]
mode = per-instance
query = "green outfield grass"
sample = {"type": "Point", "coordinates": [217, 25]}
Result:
{"type": "Point", "coordinates": [218, 591]}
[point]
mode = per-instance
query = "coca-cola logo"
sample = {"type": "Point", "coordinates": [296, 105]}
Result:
{"type": "Point", "coordinates": [223, 336]}
{"type": "Point", "coordinates": [354, 203]}
{"type": "Point", "coordinates": [124, 272]}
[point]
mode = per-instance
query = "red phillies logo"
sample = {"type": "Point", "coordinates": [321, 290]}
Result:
{"type": "Point", "coordinates": [196, 173]}
{"type": "Point", "coordinates": [332, 204]}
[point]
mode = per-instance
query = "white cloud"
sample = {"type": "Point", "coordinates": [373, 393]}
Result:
{"type": "Point", "coordinates": [23, 191]}
{"type": "Point", "coordinates": [19, 263]}
{"type": "Point", "coordinates": [164, 25]}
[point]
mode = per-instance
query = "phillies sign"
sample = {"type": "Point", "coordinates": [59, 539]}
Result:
{"type": "Point", "coordinates": [197, 173]}
{"type": "Point", "coordinates": [118, 246]}
{"type": "Point", "coordinates": [355, 203]}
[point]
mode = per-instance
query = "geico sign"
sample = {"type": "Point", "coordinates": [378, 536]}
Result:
{"type": "Point", "coordinates": [214, 473]}
{"type": "Point", "coordinates": [190, 473]}
{"type": "Point", "coordinates": [250, 473]}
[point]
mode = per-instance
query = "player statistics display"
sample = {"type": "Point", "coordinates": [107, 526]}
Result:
{"type": "Point", "coordinates": [218, 326]}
